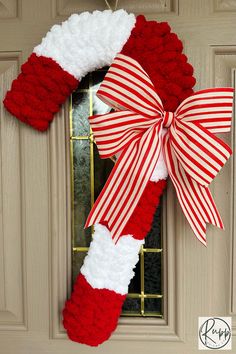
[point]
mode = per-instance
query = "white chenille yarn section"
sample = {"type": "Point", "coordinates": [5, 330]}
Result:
{"type": "Point", "coordinates": [87, 41]}
{"type": "Point", "coordinates": [108, 265]}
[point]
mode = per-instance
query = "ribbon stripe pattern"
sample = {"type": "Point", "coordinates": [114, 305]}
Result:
{"type": "Point", "coordinates": [193, 154]}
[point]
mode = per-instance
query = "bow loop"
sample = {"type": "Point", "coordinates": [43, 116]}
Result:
{"type": "Point", "coordinates": [193, 154]}
{"type": "Point", "coordinates": [128, 87]}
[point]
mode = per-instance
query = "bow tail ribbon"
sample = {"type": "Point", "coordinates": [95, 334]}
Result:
{"type": "Point", "coordinates": [195, 200]}
{"type": "Point", "coordinates": [127, 181]}
{"type": "Point", "coordinates": [200, 152]}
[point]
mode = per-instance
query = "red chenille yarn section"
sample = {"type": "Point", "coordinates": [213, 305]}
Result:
{"type": "Point", "coordinates": [39, 91]}
{"type": "Point", "coordinates": [90, 315]}
{"type": "Point", "coordinates": [159, 51]}
{"type": "Point", "coordinates": [140, 221]}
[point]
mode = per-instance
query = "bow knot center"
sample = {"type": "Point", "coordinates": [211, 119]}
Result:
{"type": "Point", "coordinates": [167, 119]}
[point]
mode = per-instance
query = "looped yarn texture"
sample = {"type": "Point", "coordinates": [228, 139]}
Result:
{"type": "Point", "coordinates": [43, 85]}
{"type": "Point", "coordinates": [91, 316]}
{"type": "Point", "coordinates": [159, 52]}
{"type": "Point", "coordinates": [83, 43]}
{"type": "Point", "coordinates": [38, 92]}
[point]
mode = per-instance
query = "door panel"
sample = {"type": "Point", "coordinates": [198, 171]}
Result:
{"type": "Point", "coordinates": [35, 236]}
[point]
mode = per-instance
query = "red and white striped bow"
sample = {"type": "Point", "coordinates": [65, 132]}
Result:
{"type": "Point", "coordinates": [193, 154]}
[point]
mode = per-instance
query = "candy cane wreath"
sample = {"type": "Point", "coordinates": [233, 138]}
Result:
{"type": "Point", "coordinates": [69, 51]}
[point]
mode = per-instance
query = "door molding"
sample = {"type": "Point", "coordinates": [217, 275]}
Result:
{"type": "Point", "coordinates": [13, 306]}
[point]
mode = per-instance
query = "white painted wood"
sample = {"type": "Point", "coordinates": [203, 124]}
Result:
{"type": "Point", "coordinates": [35, 206]}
